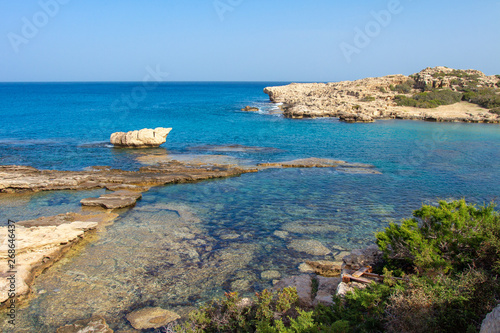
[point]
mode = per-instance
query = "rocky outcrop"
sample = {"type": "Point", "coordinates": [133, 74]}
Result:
{"type": "Point", "coordinates": [21, 178]}
{"type": "Point", "coordinates": [491, 324]}
{"type": "Point", "coordinates": [151, 318]}
{"type": "Point", "coordinates": [118, 199]}
{"type": "Point", "coordinates": [40, 243]}
{"type": "Point", "coordinates": [363, 257]}
{"type": "Point", "coordinates": [144, 138]}
{"type": "Point", "coordinates": [249, 108]}
{"type": "Point", "coordinates": [303, 284]}
{"type": "Point", "coordinates": [369, 99]}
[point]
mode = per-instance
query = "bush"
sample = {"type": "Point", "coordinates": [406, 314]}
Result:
{"type": "Point", "coordinates": [451, 237]}
{"type": "Point", "coordinates": [431, 99]}
{"type": "Point", "coordinates": [495, 111]}
{"type": "Point", "coordinates": [485, 97]}
{"type": "Point", "coordinates": [368, 99]}
{"type": "Point", "coordinates": [382, 90]}
{"type": "Point", "coordinates": [404, 88]}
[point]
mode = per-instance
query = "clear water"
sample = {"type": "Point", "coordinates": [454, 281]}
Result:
{"type": "Point", "coordinates": [154, 255]}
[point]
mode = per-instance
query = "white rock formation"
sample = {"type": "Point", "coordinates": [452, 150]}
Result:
{"type": "Point", "coordinates": [140, 139]}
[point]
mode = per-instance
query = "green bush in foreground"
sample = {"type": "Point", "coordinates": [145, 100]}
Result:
{"type": "Point", "coordinates": [449, 256]}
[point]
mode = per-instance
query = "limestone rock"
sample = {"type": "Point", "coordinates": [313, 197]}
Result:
{"type": "Point", "coordinates": [40, 244]}
{"type": "Point", "coordinates": [309, 246]}
{"type": "Point", "coordinates": [303, 284]}
{"type": "Point", "coordinates": [140, 139]}
{"type": "Point", "coordinates": [369, 99]}
{"type": "Point", "coordinates": [96, 324]}
{"type": "Point", "coordinates": [270, 275]}
{"type": "Point", "coordinates": [327, 287]}
{"type": "Point", "coordinates": [249, 108]}
{"type": "Point", "coordinates": [325, 268]}
{"type": "Point", "coordinates": [491, 324]}
{"type": "Point", "coordinates": [362, 257]}
{"type": "Point", "coordinates": [151, 318]}
{"type": "Point", "coordinates": [344, 288]}
{"type": "Point", "coordinates": [118, 199]}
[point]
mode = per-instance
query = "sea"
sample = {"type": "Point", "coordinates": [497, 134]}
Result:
{"type": "Point", "coordinates": [248, 227]}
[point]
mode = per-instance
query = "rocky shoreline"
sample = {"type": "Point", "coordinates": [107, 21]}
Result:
{"type": "Point", "coordinates": [371, 99]}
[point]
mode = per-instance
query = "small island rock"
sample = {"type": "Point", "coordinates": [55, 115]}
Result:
{"type": "Point", "coordinates": [140, 139]}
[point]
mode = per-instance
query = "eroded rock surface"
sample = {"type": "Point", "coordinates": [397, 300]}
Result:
{"type": "Point", "coordinates": [369, 99]}
{"type": "Point", "coordinates": [96, 324]}
{"type": "Point", "coordinates": [491, 324]}
{"type": "Point", "coordinates": [118, 199]}
{"type": "Point", "coordinates": [143, 138]}
{"type": "Point", "coordinates": [21, 178]}
{"type": "Point", "coordinates": [151, 318]}
{"type": "Point", "coordinates": [40, 243]}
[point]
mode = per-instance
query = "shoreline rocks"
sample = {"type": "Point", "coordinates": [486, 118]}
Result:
{"type": "Point", "coordinates": [151, 318]}
{"type": "Point", "coordinates": [40, 243]}
{"type": "Point", "coordinates": [369, 99]}
{"type": "Point", "coordinates": [144, 138]}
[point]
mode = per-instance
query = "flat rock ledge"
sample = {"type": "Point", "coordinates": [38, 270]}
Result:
{"type": "Point", "coordinates": [144, 138]}
{"type": "Point", "coordinates": [40, 243]}
{"type": "Point", "coordinates": [28, 179]}
{"type": "Point", "coordinates": [115, 200]}
{"type": "Point", "coordinates": [151, 318]}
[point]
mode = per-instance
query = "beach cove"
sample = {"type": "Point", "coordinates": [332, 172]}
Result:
{"type": "Point", "coordinates": [194, 241]}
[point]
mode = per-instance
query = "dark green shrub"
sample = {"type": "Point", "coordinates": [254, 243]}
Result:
{"type": "Point", "coordinates": [382, 90]}
{"type": "Point", "coordinates": [368, 99]}
{"type": "Point", "coordinates": [450, 237]}
{"type": "Point", "coordinates": [406, 87]}
{"type": "Point", "coordinates": [495, 111]}
{"type": "Point", "coordinates": [485, 97]}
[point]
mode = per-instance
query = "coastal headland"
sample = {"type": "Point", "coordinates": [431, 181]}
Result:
{"type": "Point", "coordinates": [433, 94]}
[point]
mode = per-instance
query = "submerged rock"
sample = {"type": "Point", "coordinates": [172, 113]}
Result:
{"type": "Point", "coordinates": [140, 139]}
{"type": "Point", "coordinates": [96, 324]}
{"type": "Point", "coordinates": [151, 318]}
{"type": "Point", "coordinates": [309, 246]}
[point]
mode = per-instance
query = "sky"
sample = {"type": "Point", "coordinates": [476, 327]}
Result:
{"type": "Point", "coordinates": [243, 40]}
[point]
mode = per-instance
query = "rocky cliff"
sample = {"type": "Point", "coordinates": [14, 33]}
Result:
{"type": "Point", "coordinates": [369, 99]}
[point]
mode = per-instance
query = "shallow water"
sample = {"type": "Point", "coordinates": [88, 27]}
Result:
{"type": "Point", "coordinates": [183, 244]}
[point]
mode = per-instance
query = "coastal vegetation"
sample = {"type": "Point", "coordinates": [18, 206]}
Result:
{"type": "Point", "coordinates": [447, 255]}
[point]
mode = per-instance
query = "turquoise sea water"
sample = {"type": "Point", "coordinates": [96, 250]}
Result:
{"type": "Point", "coordinates": [67, 127]}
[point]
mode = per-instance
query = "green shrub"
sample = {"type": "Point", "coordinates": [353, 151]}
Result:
{"type": "Point", "coordinates": [450, 237]}
{"type": "Point", "coordinates": [485, 97]}
{"type": "Point", "coordinates": [431, 99]}
{"type": "Point", "coordinates": [368, 99]}
{"type": "Point", "coordinates": [382, 90]}
{"type": "Point", "coordinates": [495, 111]}
{"type": "Point", "coordinates": [406, 87]}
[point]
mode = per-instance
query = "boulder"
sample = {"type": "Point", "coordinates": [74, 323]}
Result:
{"type": "Point", "coordinates": [491, 324]}
{"type": "Point", "coordinates": [151, 318]}
{"type": "Point", "coordinates": [368, 256]}
{"type": "Point", "coordinates": [327, 287]}
{"type": "Point", "coordinates": [140, 139]}
{"type": "Point", "coordinates": [303, 284]}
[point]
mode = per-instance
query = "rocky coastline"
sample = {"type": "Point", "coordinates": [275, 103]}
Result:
{"type": "Point", "coordinates": [371, 99]}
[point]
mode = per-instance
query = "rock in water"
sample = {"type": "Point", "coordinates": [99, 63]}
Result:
{"type": "Point", "coordinates": [140, 139]}
{"type": "Point", "coordinates": [249, 108]}
{"type": "Point", "coordinates": [95, 324]}
{"type": "Point", "coordinates": [151, 318]}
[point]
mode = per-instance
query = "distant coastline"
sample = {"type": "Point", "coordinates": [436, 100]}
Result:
{"type": "Point", "coordinates": [433, 94]}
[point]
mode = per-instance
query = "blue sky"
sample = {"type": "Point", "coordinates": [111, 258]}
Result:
{"type": "Point", "coordinates": [243, 40]}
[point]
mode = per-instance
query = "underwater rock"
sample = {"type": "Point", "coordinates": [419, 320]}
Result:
{"type": "Point", "coordinates": [270, 275]}
{"type": "Point", "coordinates": [143, 138]}
{"type": "Point", "coordinates": [281, 234]}
{"type": "Point", "coordinates": [96, 324]}
{"type": "Point", "coordinates": [311, 162]}
{"type": "Point", "coordinates": [151, 318]}
{"type": "Point", "coordinates": [309, 246]}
